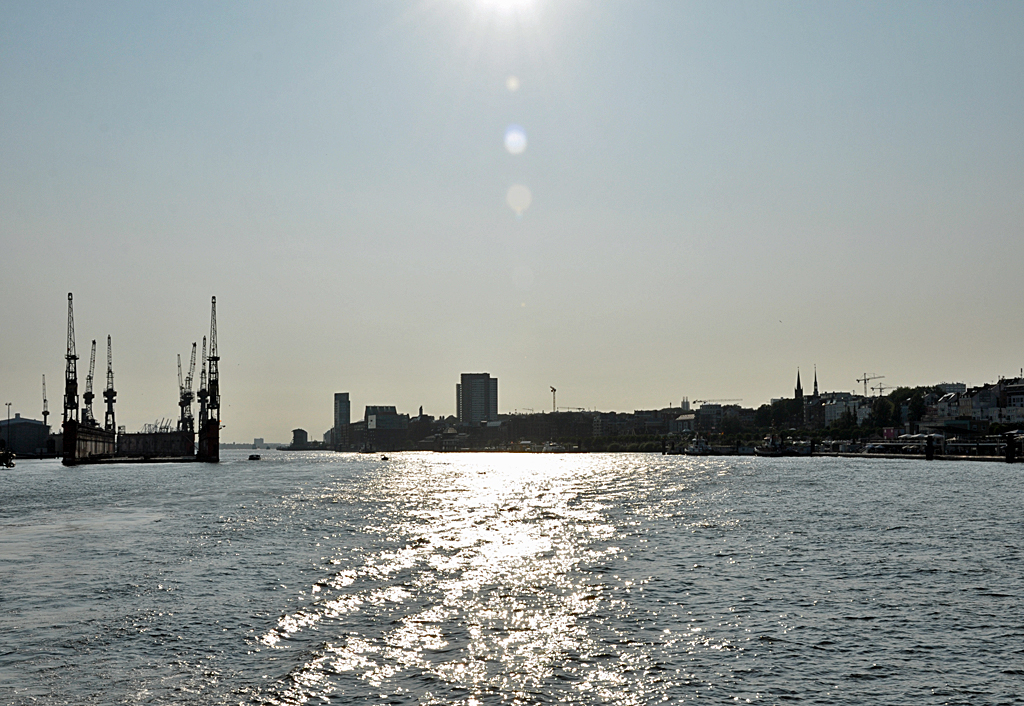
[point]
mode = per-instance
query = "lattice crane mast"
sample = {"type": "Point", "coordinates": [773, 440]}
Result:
{"type": "Point", "coordinates": [109, 394]}
{"type": "Point", "coordinates": [186, 421]}
{"type": "Point", "coordinates": [87, 396]}
{"type": "Point", "coordinates": [213, 379]}
{"type": "Point", "coordinates": [203, 395]}
{"type": "Point", "coordinates": [71, 370]}
{"type": "Point", "coordinates": [46, 407]}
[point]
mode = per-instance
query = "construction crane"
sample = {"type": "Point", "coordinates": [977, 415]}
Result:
{"type": "Point", "coordinates": [717, 401]}
{"type": "Point", "coordinates": [109, 395]}
{"type": "Point", "coordinates": [70, 371]}
{"type": "Point", "coordinates": [881, 388]}
{"type": "Point", "coordinates": [554, 407]}
{"type": "Point", "coordinates": [87, 396]}
{"type": "Point", "coordinates": [868, 378]}
{"type": "Point", "coordinates": [186, 422]}
{"type": "Point", "coordinates": [46, 407]}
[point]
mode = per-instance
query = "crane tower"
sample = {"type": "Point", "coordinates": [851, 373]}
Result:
{"type": "Point", "coordinates": [46, 407]}
{"type": "Point", "coordinates": [88, 396]}
{"type": "Point", "coordinates": [209, 396]}
{"type": "Point", "coordinates": [71, 370]}
{"type": "Point", "coordinates": [109, 395]}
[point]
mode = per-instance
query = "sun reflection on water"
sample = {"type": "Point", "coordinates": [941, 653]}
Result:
{"type": "Point", "coordinates": [497, 581]}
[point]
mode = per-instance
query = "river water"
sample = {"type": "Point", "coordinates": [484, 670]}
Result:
{"type": "Point", "coordinates": [512, 579]}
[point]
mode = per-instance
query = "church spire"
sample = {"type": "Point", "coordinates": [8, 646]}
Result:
{"type": "Point", "coordinates": [799, 392]}
{"type": "Point", "coordinates": [815, 380]}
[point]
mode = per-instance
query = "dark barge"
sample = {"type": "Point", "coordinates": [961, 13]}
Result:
{"type": "Point", "coordinates": [85, 441]}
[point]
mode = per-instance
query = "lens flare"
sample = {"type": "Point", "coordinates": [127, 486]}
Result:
{"type": "Point", "coordinates": [515, 139]}
{"type": "Point", "coordinates": [518, 198]}
{"type": "Point", "coordinates": [512, 84]}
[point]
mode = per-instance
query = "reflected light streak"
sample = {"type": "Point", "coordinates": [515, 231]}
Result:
{"type": "Point", "coordinates": [492, 589]}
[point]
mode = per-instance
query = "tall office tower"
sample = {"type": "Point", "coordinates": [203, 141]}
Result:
{"type": "Point", "coordinates": [342, 419]}
{"type": "Point", "coordinates": [476, 398]}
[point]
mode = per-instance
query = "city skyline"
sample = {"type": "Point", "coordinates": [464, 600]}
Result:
{"type": "Point", "coordinates": [632, 203]}
{"type": "Point", "coordinates": [874, 386]}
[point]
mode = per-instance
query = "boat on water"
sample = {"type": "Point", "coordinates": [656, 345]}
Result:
{"type": "Point", "coordinates": [769, 451]}
{"type": "Point", "coordinates": [773, 446]}
{"type": "Point", "coordinates": [7, 458]}
{"type": "Point", "coordinates": [699, 447]}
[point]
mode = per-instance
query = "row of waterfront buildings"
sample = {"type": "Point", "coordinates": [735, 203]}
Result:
{"type": "Point", "coordinates": [383, 428]}
{"type": "Point", "coordinates": [953, 409]}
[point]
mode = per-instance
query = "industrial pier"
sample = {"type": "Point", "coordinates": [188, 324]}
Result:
{"type": "Point", "coordinates": [85, 441]}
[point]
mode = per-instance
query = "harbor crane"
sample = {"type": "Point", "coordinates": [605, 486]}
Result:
{"type": "Point", "coordinates": [87, 396]}
{"type": "Point", "coordinates": [209, 396]}
{"type": "Point", "coordinates": [868, 378]}
{"type": "Point", "coordinates": [46, 407]}
{"type": "Point", "coordinates": [202, 395]}
{"type": "Point", "coordinates": [71, 370]}
{"type": "Point", "coordinates": [213, 376]}
{"type": "Point", "coordinates": [554, 407]}
{"type": "Point", "coordinates": [109, 395]}
{"type": "Point", "coordinates": [186, 421]}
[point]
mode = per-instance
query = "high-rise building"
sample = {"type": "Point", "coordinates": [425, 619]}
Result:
{"type": "Point", "coordinates": [342, 419]}
{"type": "Point", "coordinates": [476, 398]}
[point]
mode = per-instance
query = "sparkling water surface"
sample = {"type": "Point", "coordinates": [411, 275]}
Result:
{"type": "Point", "coordinates": [512, 579]}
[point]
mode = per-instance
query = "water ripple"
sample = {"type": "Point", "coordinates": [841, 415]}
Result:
{"type": "Point", "coordinates": [512, 579]}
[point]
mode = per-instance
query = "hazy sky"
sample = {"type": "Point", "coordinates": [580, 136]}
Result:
{"type": "Point", "coordinates": [720, 193]}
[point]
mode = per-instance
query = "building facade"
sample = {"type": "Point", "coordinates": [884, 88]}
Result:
{"type": "Point", "coordinates": [26, 437]}
{"type": "Point", "coordinates": [476, 398]}
{"type": "Point", "coordinates": [385, 428]}
{"type": "Point", "coordinates": [339, 434]}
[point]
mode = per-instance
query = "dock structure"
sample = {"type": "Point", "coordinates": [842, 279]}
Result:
{"type": "Point", "coordinates": [85, 441]}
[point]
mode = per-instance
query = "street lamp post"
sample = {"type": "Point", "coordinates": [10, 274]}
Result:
{"type": "Point", "coordinates": [8, 426]}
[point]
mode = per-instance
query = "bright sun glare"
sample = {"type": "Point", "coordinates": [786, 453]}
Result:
{"type": "Point", "coordinates": [505, 6]}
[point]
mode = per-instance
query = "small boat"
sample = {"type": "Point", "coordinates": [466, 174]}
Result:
{"type": "Point", "coordinates": [254, 457]}
{"type": "Point", "coordinates": [383, 458]}
{"type": "Point", "coordinates": [699, 447]}
{"type": "Point", "coordinates": [7, 459]}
